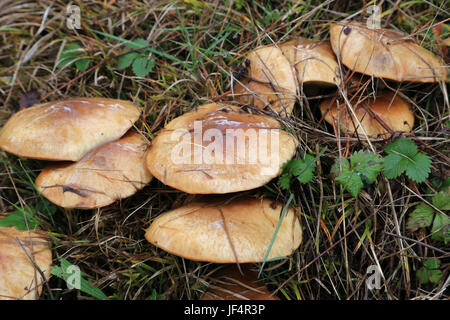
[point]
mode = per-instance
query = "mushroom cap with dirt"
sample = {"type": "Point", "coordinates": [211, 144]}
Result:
{"type": "Point", "coordinates": [230, 284]}
{"type": "Point", "coordinates": [68, 129]}
{"type": "Point", "coordinates": [384, 53]}
{"type": "Point", "coordinates": [274, 74]}
{"type": "Point", "coordinates": [379, 116]}
{"type": "Point", "coordinates": [219, 149]}
{"type": "Point", "coordinates": [227, 231]}
{"type": "Point", "coordinates": [19, 277]}
{"type": "Point", "coordinates": [110, 172]}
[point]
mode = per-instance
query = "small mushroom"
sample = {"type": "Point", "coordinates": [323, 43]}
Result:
{"type": "Point", "coordinates": [237, 231]}
{"type": "Point", "coordinates": [219, 149]}
{"type": "Point", "coordinates": [19, 278]}
{"type": "Point", "coordinates": [274, 73]}
{"type": "Point", "coordinates": [230, 284]}
{"type": "Point", "coordinates": [384, 53]}
{"type": "Point", "coordinates": [110, 172]}
{"type": "Point", "coordinates": [67, 130]}
{"type": "Point", "coordinates": [379, 117]}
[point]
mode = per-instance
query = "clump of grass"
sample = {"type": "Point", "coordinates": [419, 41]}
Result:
{"type": "Point", "coordinates": [194, 47]}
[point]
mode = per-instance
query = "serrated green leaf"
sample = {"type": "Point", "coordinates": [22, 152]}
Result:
{"type": "Point", "coordinates": [302, 169]}
{"type": "Point", "coordinates": [138, 43]}
{"type": "Point", "coordinates": [351, 181]}
{"type": "Point", "coordinates": [441, 228]}
{"type": "Point", "coordinates": [142, 66]}
{"type": "Point", "coordinates": [284, 181]}
{"type": "Point", "coordinates": [423, 275]}
{"type": "Point", "coordinates": [421, 217]}
{"type": "Point", "coordinates": [394, 166]}
{"type": "Point", "coordinates": [69, 55]}
{"type": "Point", "coordinates": [21, 219]}
{"type": "Point", "coordinates": [430, 272]}
{"type": "Point", "coordinates": [432, 264]}
{"type": "Point", "coordinates": [419, 170]}
{"type": "Point", "coordinates": [402, 146]}
{"type": "Point", "coordinates": [126, 60]}
{"type": "Point", "coordinates": [441, 200]}
{"type": "Point", "coordinates": [367, 164]}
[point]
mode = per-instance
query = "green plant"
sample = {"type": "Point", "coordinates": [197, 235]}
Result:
{"type": "Point", "coordinates": [142, 64]}
{"type": "Point", "coordinates": [73, 53]}
{"type": "Point", "coordinates": [425, 216]}
{"type": "Point", "coordinates": [430, 272]}
{"type": "Point", "coordinates": [403, 156]}
{"type": "Point", "coordinates": [21, 219]}
{"type": "Point", "coordinates": [362, 168]}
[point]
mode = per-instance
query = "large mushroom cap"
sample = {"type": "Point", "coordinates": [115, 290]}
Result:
{"type": "Point", "coordinates": [19, 278]}
{"type": "Point", "coordinates": [67, 130]}
{"type": "Point", "coordinates": [219, 149]}
{"type": "Point", "coordinates": [273, 73]}
{"type": "Point", "coordinates": [387, 110]}
{"type": "Point", "coordinates": [384, 53]}
{"type": "Point", "coordinates": [236, 232]}
{"type": "Point", "coordinates": [113, 171]}
{"type": "Point", "coordinates": [230, 284]}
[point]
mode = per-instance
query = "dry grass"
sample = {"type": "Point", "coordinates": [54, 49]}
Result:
{"type": "Point", "coordinates": [343, 236]}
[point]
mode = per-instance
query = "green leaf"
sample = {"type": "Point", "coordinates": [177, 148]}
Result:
{"type": "Point", "coordinates": [70, 54]}
{"type": "Point", "coordinates": [441, 228]}
{"type": "Point", "coordinates": [432, 264]}
{"type": "Point", "coordinates": [403, 155]}
{"type": "Point", "coordinates": [420, 169]}
{"type": "Point", "coordinates": [82, 64]}
{"type": "Point", "coordinates": [367, 164]}
{"type": "Point", "coordinates": [68, 273]}
{"type": "Point", "coordinates": [302, 169]}
{"type": "Point", "coordinates": [21, 219]}
{"type": "Point", "coordinates": [126, 60]}
{"type": "Point", "coordinates": [351, 181]}
{"type": "Point", "coordinates": [138, 43]}
{"type": "Point", "coordinates": [441, 200]}
{"type": "Point", "coordinates": [430, 272]}
{"type": "Point", "coordinates": [142, 66]}
{"type": "Point", "coordinates": [421, 217]}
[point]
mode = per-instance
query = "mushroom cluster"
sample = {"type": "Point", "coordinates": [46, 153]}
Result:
{"type": "Point", "coordinates": [99, 161]}
{"type": "Point", "coordinates": [273, 75]}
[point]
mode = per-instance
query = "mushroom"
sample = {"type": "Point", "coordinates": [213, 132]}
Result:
{"type": "Point", "coordinates": [219, 149]}
{"type": "Point", "coordinates": [384, 53]}
{"type": "Point", "coordinates": [110, 172]}
{"type": "Point", "coordinates": [378, 116]}
{"type": "Point", "coordinates": [233, 231]}
{"type": "Point", "coordinates": [67, 130]}
{"type": "Point", "coordinates": [20, 253]}
{"type": "Point", "coordinates": [230, 284]}
{"type": "Point", "coordinates": [274, 73]}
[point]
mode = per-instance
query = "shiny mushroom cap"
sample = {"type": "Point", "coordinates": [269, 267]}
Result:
{"type": "Point", "coordinates": [384, 53]}
{"type": "Point", "coordinates": [386, 111]}
{"type": "Point", "coordinates": [110, 172]}
{"type": "Point", "coordinates": [230, 284]}
{"type": "Point", "coordinates": [238, 231]}
{"type": "Point", "coordinates": [19, 278]}
{"type": "Point", "coordinates": [274, 73]}
{"type": "Point", "coordinates": [219, 149]}
{"type": "Point", "coordinates": [67, 130]}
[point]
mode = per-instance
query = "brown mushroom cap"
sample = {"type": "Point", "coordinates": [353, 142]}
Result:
{"type": "Point", "coordinates": [239, 231]}
{"type": "Point", "coordinates": [230, 284]}
{"type": "Point", "coordinates": [393, 111]}
{"type": "Point", "coordinates": [184, 157]}
{"type": "Point", "coordinates": [274, 72]}
{"type": "Point", "coordinates": [113, 171]}
{"type": "Point", "coordinates": [384, 53]}
{"type": "Point", "coordinates": [19, 278]}
{"type": "Point", "coordinates": [67, 130]}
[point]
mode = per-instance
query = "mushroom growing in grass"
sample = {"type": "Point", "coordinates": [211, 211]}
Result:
{"type": "Point", "coordinates": [67, 130]}
{"type": "Point", "coordinates": [380, 116]}
{"type": "Point", "coordinates": [110, 172]}
{"type": "Point", "coordinates": [230, 284]}
{"type": "Point", "coordinates": [219, 149]}
{"type": "Point", "coordinates": [237, 231]}
{"type": "Point", "coordinates": [274, 74]}
{"type": "Point", "coordinates": [21, 254]}
{"type": "Point", "coordinates": [384, 53]}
